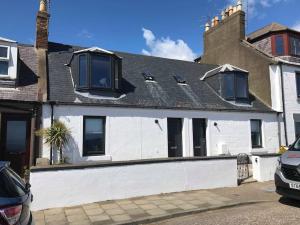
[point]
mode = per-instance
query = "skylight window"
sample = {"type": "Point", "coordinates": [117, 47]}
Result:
{"type": "Point", "coordinates": [148, 76]}
{"type": "Point", "coordinates": [180, 79]}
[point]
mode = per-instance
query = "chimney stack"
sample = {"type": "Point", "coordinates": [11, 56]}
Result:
{"type": "Point", "coordinates": [42, 26]}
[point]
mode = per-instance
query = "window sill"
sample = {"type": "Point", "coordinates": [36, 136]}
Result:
{"type": "Point", "coordinates": [97, 158]}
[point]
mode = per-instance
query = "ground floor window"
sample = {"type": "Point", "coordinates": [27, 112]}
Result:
{"type": "Point", "coordinates": [256, 134]}
{"type": "Point", "coordinates": [297, 129]}
{"type": "Point", "coordinates": [93, 135]}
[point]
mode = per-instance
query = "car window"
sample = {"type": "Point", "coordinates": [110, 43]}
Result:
{"type": "Point", "coordinates": [295, 146]}
{"type": "Point", "coordinates": [9, 187]}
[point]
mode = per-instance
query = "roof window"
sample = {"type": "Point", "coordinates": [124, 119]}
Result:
{"type": "Point", "coordinates": [148, 76]}
{"type": "Point", "coordinates": [179, 79]}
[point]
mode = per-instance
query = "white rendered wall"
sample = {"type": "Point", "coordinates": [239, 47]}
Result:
{"type": "Point", "coordinates": [264, 168]}
{"type": "Point", "coordinates": [132, 134]}
{"type": "Point", "coordinates": [292, 103]}
{"type": "Point", "coordinates": [107, 183]}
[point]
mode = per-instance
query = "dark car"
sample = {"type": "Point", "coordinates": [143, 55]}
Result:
{"type": "Point", "coordinates": [15, 198]}
{"type": "Point", "coordinates": [287, 175]}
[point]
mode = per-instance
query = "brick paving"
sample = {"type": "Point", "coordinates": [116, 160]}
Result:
{"type": "Point", "coordinates": [134, 209]}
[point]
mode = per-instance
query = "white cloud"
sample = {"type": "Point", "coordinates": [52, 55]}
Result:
{"type": "Point", "coordinates": [296, 26]}
{"type": "Point", "coordinates": [85, 34]}
{"type": "Point", "coordinates": [255, 5]}
{"type": "Point", "coordinates": [166, 47]}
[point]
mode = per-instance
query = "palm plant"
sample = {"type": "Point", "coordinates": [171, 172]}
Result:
{"type": "Point", "coordinates": [57, 135]}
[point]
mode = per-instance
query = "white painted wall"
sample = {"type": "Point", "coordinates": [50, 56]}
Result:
{"type": "Point", "coordinates": [119, 182]}
{"type": "Point", "coordinates": [132, 134]}
{"type": "Point", "coordinates": [13, 59]}
{"type": "Point", "coordinates": [264, 168]}
{"type": "Point", "coordinates": [291, 101]}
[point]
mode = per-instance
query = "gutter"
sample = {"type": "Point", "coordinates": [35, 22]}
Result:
{"type": "Point", "coordinates": [283, 103]}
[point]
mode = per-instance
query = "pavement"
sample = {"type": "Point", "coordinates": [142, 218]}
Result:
{"type": "Point", "coordinates": [157, 207]}
{"type": "Point", "coordinates": [284, 212]}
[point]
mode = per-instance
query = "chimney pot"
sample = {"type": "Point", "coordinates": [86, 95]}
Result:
{"type": "Point", "coordinates": [230, 10]}
{"type": "Point", "coordinates": [216, 21]}
{"type": "Point", "coordinates": [223, 15]}
{"type": "Point", "coordinates": [213, 22]}
{"type": "Point", "coordinates": [43, 5]}
{"type": "Point", "coordinates": [207, 27]}
{"type": "Point", "coordinates": [239, 5]}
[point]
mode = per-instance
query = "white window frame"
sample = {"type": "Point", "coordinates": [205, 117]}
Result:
{"type": "Point", "coordinates": [5, 59]}
{"type": "Point", "coordinates": [8, 51]}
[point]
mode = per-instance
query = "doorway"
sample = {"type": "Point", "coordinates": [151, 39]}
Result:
{"type": "Point", "coordinates": [15, 141]}
{"type": "Point", "coordinates": [199, 137]}
{"type": "Point", "coordinates": [175, 137]}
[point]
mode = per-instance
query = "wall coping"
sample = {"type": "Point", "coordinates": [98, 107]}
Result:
{"type": "Point", "coordinates": [99, 164]}
{"type": "Point", "coordinates": [266, 155]}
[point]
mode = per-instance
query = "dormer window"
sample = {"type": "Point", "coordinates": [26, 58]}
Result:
{"type": "Point", "coordinates": [235, 86]}
{"type": "Point", "coordinates": [98, 71]}
{"type": "Point", "coordinates": [101, 73]}
{"type": "Point", "coordinates": [4, 60]}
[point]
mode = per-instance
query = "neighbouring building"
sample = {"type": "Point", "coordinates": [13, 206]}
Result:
{"type": "Point", "coordinates": [272, 57]}
{"type": "Point", "coordinates": [19, 107]}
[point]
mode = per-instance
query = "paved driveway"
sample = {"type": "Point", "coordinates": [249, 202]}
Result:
{"type": "Point", "coordinates": [283, 212]}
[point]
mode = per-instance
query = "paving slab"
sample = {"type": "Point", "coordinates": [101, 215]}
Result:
{"type": "Point", "coordinates": [148, 208]}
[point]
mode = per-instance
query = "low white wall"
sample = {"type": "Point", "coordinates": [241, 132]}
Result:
{"type": "Point", "coordinates": [69, 187]}
{"type": "Point", "coordinates": [264, 167]}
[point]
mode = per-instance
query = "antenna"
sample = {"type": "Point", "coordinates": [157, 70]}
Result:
{"type": "Point", "coordinates": [247, 14]}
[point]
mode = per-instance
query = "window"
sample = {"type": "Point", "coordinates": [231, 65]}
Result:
{"type": "Point", "coordinates": [256, 136]}
{"type": "Point", "coordinates": [3, 67]}
{"type": "Point", "coordinates": [279, 45]}
{"type": "Point", "coordinates": [298, 84]}
{"type": "Point", "coordinates": [101, 71]}
{"type": "Point", "coordinates": [83, 71]}
{"type": "Point", "coordinates": [93, 136]}
{"type": "Point", "coordinates": [235, 86]}
{"type": "Point", "coordinates": [295, 46]}
{"type": "Point", "coordinates": [297, 129]}
{"type": "Point", "coordinates": [4, 59]}
{"type": "Point", "coordinates": [4, 52]}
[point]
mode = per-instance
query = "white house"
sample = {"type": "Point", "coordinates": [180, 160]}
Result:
{"type": "Point", "coordinates": [122, 106]}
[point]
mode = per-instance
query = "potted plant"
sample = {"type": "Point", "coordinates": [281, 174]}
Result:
{"type": "Point", "coordinates": [57, 135]}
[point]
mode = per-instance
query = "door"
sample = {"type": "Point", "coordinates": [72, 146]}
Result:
{"type": "Point", "coordinates": [175, 137]}
{"type": "Point", "coordinates": [15, 141]}
{"type": "Point", "coordinates": [199, 137]}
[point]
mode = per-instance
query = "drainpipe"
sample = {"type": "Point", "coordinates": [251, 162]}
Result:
{"type": "Point", "coordinates": [52, 119]}
{"type": "Point", "coordinates": [279, 129]}
{"type": "Point", "coordinates": [283, 103]}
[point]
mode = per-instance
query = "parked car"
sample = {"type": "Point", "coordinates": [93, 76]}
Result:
{"type": "Point", "coordinates": [287, 175]}
{"type": "Point", "coordinates": [15, 198]}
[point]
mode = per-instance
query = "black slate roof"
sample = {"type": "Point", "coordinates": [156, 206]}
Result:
{"type": "Point", "coordinates": [25, 89]}
{"type": "Point", "coordinates": [164, 93]}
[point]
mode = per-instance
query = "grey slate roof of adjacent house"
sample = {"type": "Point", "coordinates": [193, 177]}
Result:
{"type": "Point", "coordinates": [164, 93]}
{"type": "Point", "coordinates": [26, 87]}
{"type": "Point", "coordinates": [273, 27]}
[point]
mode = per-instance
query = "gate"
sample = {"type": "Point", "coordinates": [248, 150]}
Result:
{"type": "Point", "coordinates": [243, 172]}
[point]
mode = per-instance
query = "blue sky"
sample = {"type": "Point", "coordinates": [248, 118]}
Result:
{"type": "Point", "coordinates": [163, 28]}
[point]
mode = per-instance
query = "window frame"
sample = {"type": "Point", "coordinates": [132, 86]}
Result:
{"type": "Point", "coordinates": [5, 59]}
{"type": "Point", "coordinates": [260, 131]}
{"type": "Point", "coordinates": [235, 97]}
{"type": "Point", "coordinates": [8, 51]}
{"type": "Point", "coordinates": [289, 47]}
{"type": "Point", "coordinates": [114, 63]}
{"type": "Point", "coordinates": [297, 76]}
{"type": "Point", "coordinates": [85, 152]}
